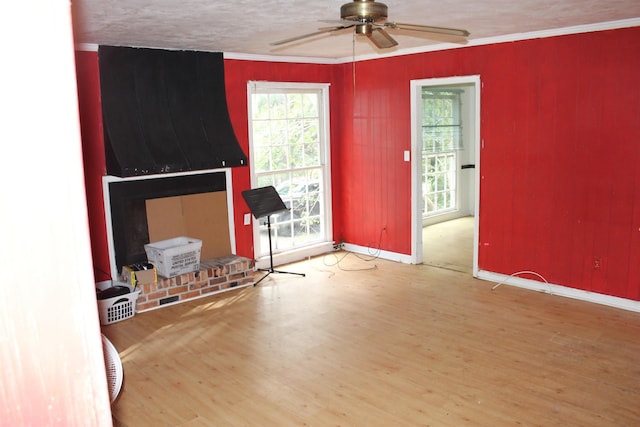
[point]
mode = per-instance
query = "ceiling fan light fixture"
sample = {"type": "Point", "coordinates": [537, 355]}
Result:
{"type": "Point", "coordinates": [364, 29]}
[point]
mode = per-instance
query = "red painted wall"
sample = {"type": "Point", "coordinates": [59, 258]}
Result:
{"type": "Point", "coordinates": [560, 125]}
{"type": "Point", "coordinates": [560, 122]}
{"type": "Point", "coordinates": [237, 74]}
{"type": "Point", "coordinates": [88, 78]}
{"type": "Point", "coordinates": [376, 181]}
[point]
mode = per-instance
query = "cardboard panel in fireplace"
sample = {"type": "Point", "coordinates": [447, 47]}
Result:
{"type": "Point", "coordinates": [203, 216]}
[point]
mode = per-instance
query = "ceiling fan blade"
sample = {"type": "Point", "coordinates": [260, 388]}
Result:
{"type": "Point", "coordinates": [339, 22]}
{"type": "Point", "coordinates": [321, 31]}
{"type": "Point", "coordinates": [428, 29]}
{"type": "Point", "coordinates": [381, 38]}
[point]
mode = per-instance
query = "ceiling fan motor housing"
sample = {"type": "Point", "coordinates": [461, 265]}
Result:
{"type": "Point", "coordinates": [364, 11]}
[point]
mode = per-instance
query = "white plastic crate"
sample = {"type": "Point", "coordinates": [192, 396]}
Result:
{"type": "Point", "coordinates": [118, 308]}
{"type": "Point", "coordinates": [175, 256]}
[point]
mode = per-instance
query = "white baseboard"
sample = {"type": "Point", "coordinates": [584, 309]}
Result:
{"type": "Point", "coordinates": [498, 278]}
{"type": "Point", "coordinates": [295, 255]}
{"type": "Point", "coordinates": [563, 291]}
{"type": "Point", "coordinates": [373, 252]}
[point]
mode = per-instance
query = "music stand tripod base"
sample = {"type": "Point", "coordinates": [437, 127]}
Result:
{"type": "Point", "coordinates": [265, 201]}
{"type": "Point", "coordinates": [269, 271]}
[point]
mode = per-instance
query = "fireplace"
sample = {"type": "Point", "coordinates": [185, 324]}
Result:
{"type": "Point", "coordinates": [151, 208]}
{"type": "Point", "coordinates": [169, 146]}
{"type": "Point", "coordinates": [198, 204]}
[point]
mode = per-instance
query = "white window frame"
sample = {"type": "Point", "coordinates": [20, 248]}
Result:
{"type": "Point", "coordinates": [301, 252]}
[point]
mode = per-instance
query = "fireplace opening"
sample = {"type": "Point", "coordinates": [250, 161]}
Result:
{"type": "Point", "coordinates": [153, 208]}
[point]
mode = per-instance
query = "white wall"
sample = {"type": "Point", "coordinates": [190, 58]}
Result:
{"type": "Point", "coordinates": [50, 346]}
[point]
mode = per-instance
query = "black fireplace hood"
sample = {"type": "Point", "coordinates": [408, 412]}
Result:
{"type": "Point", "coordinates": [165, 111]}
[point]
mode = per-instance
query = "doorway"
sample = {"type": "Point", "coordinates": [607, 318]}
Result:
{"type": "Point", "coordinates": [445, 170]}
{"type": "Point", "coordinates": [449, 244]}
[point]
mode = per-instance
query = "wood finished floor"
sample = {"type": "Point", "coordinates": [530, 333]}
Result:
{"type": "Point", "coordinates": [377, 343]}
{"type": "Point", "coordinates": [449, 244]}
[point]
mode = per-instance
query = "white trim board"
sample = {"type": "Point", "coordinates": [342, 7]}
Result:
{"type": "Point", "coordinates": [294, 255]}
{"type": "Point", "coordinates": [507, 280]}
{"type": "Point", "coordinates": [559, 290]}
{"type": "Point", "coordinates": [377, 253]}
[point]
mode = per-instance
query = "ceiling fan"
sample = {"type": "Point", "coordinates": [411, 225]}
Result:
{"type": "Point", "coordinates": [369, 18]}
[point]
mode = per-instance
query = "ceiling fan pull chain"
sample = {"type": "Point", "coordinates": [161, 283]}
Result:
{"type": "Point", "coordinates": [353, 62]}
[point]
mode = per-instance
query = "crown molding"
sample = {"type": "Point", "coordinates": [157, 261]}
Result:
{"type": "Point", "coordinates": [276, 58]}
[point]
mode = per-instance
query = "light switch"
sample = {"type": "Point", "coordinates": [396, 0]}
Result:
{"type": "Point", "coordinates": [407, 155]}
{"type": "Point", "coordinates": [247, 219]}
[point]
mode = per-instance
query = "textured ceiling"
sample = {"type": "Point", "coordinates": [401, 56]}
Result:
{"type": "Point", "coordinates": [248, 26]}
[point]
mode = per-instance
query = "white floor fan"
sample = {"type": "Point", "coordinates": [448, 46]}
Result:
{"type": "Point", "coordinates": [113, 365]}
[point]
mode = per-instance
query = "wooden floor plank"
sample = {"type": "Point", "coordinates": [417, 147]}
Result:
{"type": "Point", "coordinates": [379, 343]}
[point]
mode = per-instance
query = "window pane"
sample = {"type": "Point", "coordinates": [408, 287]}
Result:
{"type": "Point", "coordinates": [296, 155]}
{"type": "Point", "coordinates": [262, 156]}
{"type": "Point", "coordinates": [311, 131]}
{"type": "Point", "coordinates": [277, 106]}
{"type": "Point", "coordinates": [278, 132]}
{"type": "Point", "coordinates": [295, 131]}
{"type": "Point", "coordinates": [260, 107]}
{"type": "Point", "coordinates": [312, 154]}
{"type": "Point", "coordinates": [441, 137]}
{"type": "Point", "coordinates": [287, 152]}
{"type": "Point", "coordinates": [294, 104]}
{"type": "Point", "coordinates": [310, 105]}
{"type": "Point", "coordinates": [279, 157]}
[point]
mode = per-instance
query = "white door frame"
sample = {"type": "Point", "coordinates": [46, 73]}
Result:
{"type": "Point", "coordinates": [416, 155]}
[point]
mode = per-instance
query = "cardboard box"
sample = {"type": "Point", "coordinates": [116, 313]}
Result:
{"type": "Point", "coordinates": [137, 275]}
{"type": "Point", "coordinates": [175, 256]}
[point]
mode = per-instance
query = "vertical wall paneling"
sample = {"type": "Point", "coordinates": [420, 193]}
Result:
{"type": "Point", "coordinates": [88, 80]}
{"type": "Point", "coordinates": [558, 180]}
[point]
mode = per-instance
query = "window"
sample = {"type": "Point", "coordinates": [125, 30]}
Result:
{"type": "Point", "coordinates": [441, 141]}
{"type": "Point", "coordinates": [289, 150]}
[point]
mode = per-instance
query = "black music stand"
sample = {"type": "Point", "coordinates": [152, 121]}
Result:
{"type": "Point", "coordinates": [265, 201]}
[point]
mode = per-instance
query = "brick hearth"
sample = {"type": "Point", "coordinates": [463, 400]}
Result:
{"type": "Point", "coordinates": [215, 275]}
